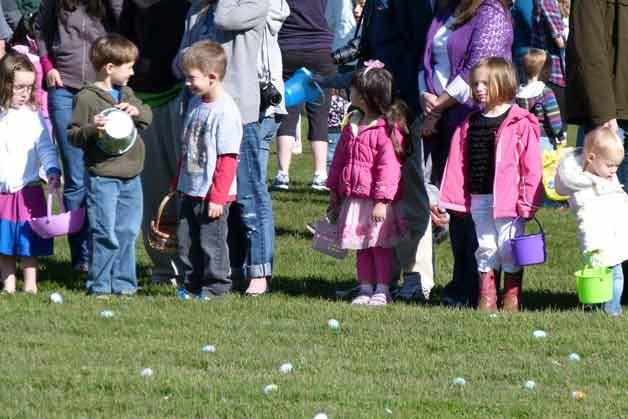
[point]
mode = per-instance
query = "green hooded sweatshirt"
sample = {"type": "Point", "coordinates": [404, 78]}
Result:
{"type": "Point", "coordinates": [82, 132]}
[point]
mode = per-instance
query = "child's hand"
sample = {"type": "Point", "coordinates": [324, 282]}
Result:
{"type": "Point", "coordinates": [379, 212]}
{"type": "Point", "coordinates": [100, 121]}
{"type": "Point", "coordinates": [128, 108]}
{"type": "Point", "coordinates": [54, 181]}
{"type": "Point", "coordinates": [214, 210]}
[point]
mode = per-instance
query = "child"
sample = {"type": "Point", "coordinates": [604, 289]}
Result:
{"type": "Point", "coordinates": [212, 133]}
{"type": "Point", "coordinates": [539, 99]}
{"type": "Point", "coordinates": [588, 177]}
{"type": "Point", "coordinates": [494, 173]}
{"type": "Point", "coordinates": [364, 181]}
{"type": "Point", "coordinates": [24, 145]}
{"type": "Point", "coordinates": [114, 190]}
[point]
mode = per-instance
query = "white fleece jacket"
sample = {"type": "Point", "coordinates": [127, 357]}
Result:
{"type": "Point", "coordinates": [24, 146]}
{"type": "Point", "coordinates": [601, 209]}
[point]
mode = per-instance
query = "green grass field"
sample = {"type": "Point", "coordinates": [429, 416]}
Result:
{"type": "Point", "coordinates": [66, 361]}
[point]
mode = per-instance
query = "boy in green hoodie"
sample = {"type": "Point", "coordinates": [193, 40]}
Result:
{"type": "Point", "coordinates": [114, 190]}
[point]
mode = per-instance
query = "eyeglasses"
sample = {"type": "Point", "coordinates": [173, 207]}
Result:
{"type": "Point", "coordinates": [22, 88]}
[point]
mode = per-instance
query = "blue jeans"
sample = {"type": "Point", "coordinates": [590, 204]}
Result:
{"type": "Point", "coordinates": [332, 142]}
{"type": "Point", "coordinates": [268, 128]}
{"type": "Point", "coordinates": [114, 208]}
{"type": "Point", "coordinates": [613, 307]}
{"type": "Point", "coordinates": [251, 227]}
{"type": "Point", "coordinates": [60, 108]}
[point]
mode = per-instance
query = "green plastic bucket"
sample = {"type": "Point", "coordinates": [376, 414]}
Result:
{"type": "Point", "coordinates": [594, 285]}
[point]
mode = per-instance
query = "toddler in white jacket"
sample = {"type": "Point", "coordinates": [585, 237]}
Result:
{"type": "Point", "coordinates": [588, 177]}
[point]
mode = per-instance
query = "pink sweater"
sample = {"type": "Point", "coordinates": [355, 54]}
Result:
{"type": "Point", "coordinates": [365, 164]}
{"type": "Point", "coordinates": [517, 188]}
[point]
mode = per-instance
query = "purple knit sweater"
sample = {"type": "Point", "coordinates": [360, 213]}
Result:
{"type": "Point", "coordinates": [487, 34]}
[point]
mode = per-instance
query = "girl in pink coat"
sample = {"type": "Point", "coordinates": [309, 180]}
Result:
{"type": "Point", "coordinates": [494, 172]}
{"type": "Point", "coordinates": [364, 180]}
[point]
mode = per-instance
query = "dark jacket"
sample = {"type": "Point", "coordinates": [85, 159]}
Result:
{"type": "Point", "coordinates": [156, 28]}
{"type": "Point", "coordinates": [66, 38]}
{"type": "Point", "coordinates": [82, 133]}
{"type": "Point", "coordinates": [597, 62]}
{"type": "Point", "coordinates": [394, 32]}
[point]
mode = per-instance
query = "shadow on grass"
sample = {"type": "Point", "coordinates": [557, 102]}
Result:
{"type": "Point", "coordinates": [310, 287]}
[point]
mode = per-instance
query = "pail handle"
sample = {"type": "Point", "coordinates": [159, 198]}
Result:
{"type": "Point", "coordinates": [162, 206]}
{"type": "Point", "coordinates": [57, 193]}
{"type": "Point", "coordinates": [322, 92]}
{"type": "Point", "coordinates": [587, 262]}
{"type": "Point", "coordinates": [515, 220]}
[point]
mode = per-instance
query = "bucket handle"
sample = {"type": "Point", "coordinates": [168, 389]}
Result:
{"type": "Point", "coordinates": [515, 220]}
{"type": "Point", "coordinates": [57, 193]}
{"type": "Point", "coordinates": [322, 92]}
{"type": "Point", "coordinates": [587, 262]}
{"type": "Point", "coordinates": [162, 205]}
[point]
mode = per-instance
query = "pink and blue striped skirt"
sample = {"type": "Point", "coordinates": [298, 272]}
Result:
{"type": "Point", "coordinates": [16, 210]}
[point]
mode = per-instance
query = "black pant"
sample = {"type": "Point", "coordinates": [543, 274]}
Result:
{"type": "Point", "coordinates": [203, 252]}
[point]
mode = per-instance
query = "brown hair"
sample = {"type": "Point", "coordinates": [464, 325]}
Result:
{"type": "Point", "coordinates": [114, 49]}
{"type": "Point", "coordinates": [467, 8]}
{"type": "Point", "coordinates": [10, 63]}
{"type": "Point", "coordinates": [564, 6]}
{"type": "Point", "coordinates": [206, 56]}
{"type": "Point", "coordinates": [537, 64]}
{"type": "Point", "coordinates": [376, 86]}
{"type": "Point", "coordinates": [604, 142]}
{"type": "Point", "coordinates": [502, 81]}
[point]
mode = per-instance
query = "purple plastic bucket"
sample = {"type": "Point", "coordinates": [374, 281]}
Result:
{"type": "Point", "coordinates": [529, 249]}
{"type": "Point", "coordinates": [64, 223]}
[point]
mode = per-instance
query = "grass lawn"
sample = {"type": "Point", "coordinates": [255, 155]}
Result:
{"type": "Point", "coordinates": [66, 361]}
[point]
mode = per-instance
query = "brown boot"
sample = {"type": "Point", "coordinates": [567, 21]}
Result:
{"type": "Point", "coordinates": [512, 291]}
{"type": "Point", "coordinates": [488, 293]}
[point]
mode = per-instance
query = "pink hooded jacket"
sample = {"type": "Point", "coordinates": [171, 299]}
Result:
{"type": "Point", "coordinates": [365, 164]}
{"type": "Point", "coordinates": [517, 189]}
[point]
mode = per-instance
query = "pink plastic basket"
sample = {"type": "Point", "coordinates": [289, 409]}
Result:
{"type": "Point", "coordinates": [326, 241]}
{"type": "Point", "coordinates": [66, 222]}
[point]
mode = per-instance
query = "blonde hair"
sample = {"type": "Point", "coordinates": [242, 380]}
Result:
{"type": "Point", "coordinates": [536, 64]}
{"type": "Point", "coordinates": [604, 142]}
{"type": "Point", "coordinates": [205, 56]}
{"type": "Point", "coordinates": [502, 81]}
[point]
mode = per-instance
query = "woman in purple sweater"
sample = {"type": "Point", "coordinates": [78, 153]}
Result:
{"type": "Point", "coordinates": [462, 32]}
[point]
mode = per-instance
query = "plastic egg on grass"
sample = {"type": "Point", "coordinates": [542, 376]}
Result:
{"type": "Point", "coordinates": [539, 334]}
{"type": "Point", "coordinates": [458, 381]}
{"type": "Point", "coordinates": [147, 372]}
{"type": "Point", "coordinates": [106, 313]}
{"type": "Point", "coordinates": [208, 349]}
{"type": "Point", "coordinates": [577, 394]}
{"type": "Point", "coordinates": [56, 298]}
{"type": "Point", "coordinates": [285, 368]}
{"type": "Point", "coordinates": [333, 324]}
{"type": "Point", "coordinates": [573, 357]}
{"type": "Point", "coordinates": [320, 415]}
{"type": "Point", "coordinates": [269, 388]}
{"type": "Point", "coordinates": [529, 385]}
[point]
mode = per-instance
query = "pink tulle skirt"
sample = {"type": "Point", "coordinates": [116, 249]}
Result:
{"type": "Point", "coordinates": [356, 229]}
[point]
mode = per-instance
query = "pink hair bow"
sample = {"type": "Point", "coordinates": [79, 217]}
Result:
{"type": "Point", "coordinates": [371, 64]}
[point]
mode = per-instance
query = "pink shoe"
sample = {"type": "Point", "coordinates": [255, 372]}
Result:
{"type": "Point", "coordinates": [379, 299]}
{"type": "Point", "coordinates": [361, 300]}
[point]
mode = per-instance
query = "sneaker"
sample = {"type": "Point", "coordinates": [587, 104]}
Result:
{"type": "Point", "coordinates": [184, 294]}
{"type": "Point", "coordinates": [379, 299]}
{"type": "Point", "coordinates": [280, 183]}
{"type": "Point", "coordinates": [361, 300]}
{"type": "Point", "coordinates": [319, 183]}
{"type": "Point", "coordinates": [412, 289]}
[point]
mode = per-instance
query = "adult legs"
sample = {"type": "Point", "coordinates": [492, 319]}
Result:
{"type": "Point", "coordinates": [74, 173]}
{"type": "Point", "coordinates": [162, 150]}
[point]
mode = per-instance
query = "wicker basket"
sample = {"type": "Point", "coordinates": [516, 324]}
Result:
{"type": "Point", "coordinates": [163, 231]}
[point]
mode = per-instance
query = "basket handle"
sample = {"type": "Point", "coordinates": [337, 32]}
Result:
{"type": "Point", "coordinates": [57, 193]}
{"type": "Point", "coordinates": [162, 205]}
{"type": "Point", "coordinates": [515, 220]}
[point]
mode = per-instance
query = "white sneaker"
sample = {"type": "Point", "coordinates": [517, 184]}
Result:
{"type": "Point", "coordinates": [280, 183]}
{"type": "Point", "coordinates": [319, 183]}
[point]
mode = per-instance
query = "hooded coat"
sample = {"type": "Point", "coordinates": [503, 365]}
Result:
{"type": "Point", "coordinates": [600, 206]}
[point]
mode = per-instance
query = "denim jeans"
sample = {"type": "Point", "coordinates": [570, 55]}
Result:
{"type": "Point", "coordinates": [74, 173]}
{"type": "Point", "coordinates": [613, 307]}
{"type": "Point", "coordinates": [251, 228]}
{"type": "Point", "coordinates": [268, 128]}
{"type": "Point", "coordinates": [203, 252]}
{"type": "Point", "coordinates": [332, 142]}
{"type": "Point", "coordinates": [114, 208]}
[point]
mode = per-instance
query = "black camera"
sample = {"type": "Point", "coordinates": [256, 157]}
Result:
{"type": "Point", "coordinates": [350, 52]}
{"type": "Point", "coordinates": [269, 95]}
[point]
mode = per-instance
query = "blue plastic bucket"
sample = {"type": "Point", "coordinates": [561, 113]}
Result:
{"type": "Point", "coordinates": [300, 88]}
